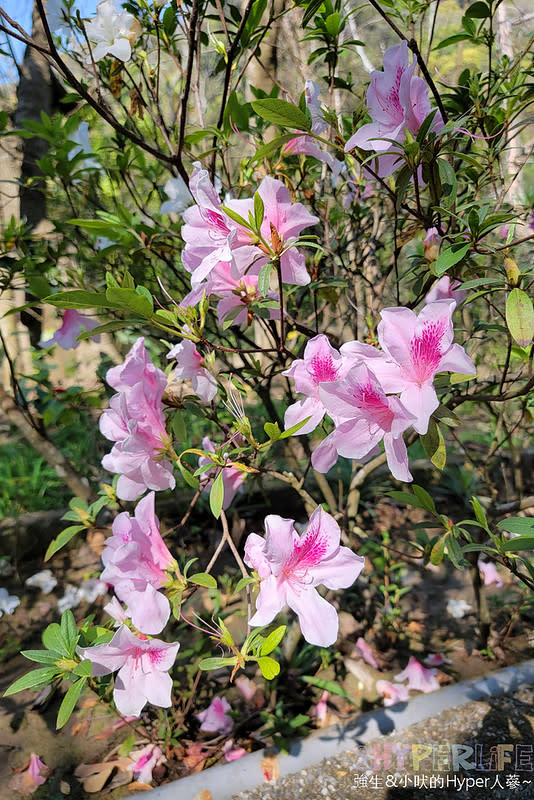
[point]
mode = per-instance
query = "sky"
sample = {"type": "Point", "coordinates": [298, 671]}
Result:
{"type": "Point", "coordinates": [21, 12]}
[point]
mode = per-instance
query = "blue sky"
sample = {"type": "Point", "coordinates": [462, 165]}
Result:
{"type": "Point", "coordinates": [21, 12]}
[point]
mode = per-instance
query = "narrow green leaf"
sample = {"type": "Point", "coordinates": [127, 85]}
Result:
{"type": "Point", "coordinates": [294, 428]}
{"type": "Point", "coordinates": [217, 663]}
{"type": "Point", "coordinates": [480, 514]}
{"type": "Point", "coordinates": [264, 279]}
{"type": "Point", "coordinates": [330, 686]}
{"type": "Point", "coordinates": [35, 679]}
{"type": "Point", "coordinates": [78, 298]}
{"type": "Point", "coordinates": [69, 631]}
{"type": "Point", "coordinates": [42, 656]}
{"type": "Point", "coordinates": [60, 541]}
{"type": "Point", "coordinates": [520, 317]}
{"type": "Point", "coordinates": [273, 640]}
{"type": "Point", "coordinates": [69, 701]}
{"type": "Point", "coordinates": [259, 210]}
{"type": "Point", "coordinates": [130, 300]}
{"type": "Point", "coordinates": [454, 551]}
{"type": "Point", "coordinates": [217, 495]}
{"type": "Point", "coordinates": [423, 496]}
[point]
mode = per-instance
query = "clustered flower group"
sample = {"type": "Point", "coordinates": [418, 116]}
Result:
{"type": "Point", "coordinates": [372, 394]}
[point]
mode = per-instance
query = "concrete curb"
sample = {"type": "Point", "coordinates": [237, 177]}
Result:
{"type": "Point", "coordinates": [226, 780]}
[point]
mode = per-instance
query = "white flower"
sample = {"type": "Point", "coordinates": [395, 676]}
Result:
{"type": "Point", "coordinates": [43, 580]}
{"type": "Point", "coordinates": [110, 32]}
{"type": "Point", "coordinates": [8, 602]}
{"type": "Point", "coordinates": [458, 608]}
{"type": "Point", "coordinates": [179, 196]}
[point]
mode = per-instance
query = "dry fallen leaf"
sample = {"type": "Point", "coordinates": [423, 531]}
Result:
{"type": "Point", "coordinates": [95, 776]}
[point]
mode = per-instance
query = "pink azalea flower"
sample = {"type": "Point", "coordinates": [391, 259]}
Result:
{"type": "Point", "coordinates": [437, 660]}
{"type": "Point", "coordinates": [135, 558]}
{"type": "Point", "coordinates": [26, 781]}
{"type": "Point", "coordinates": [142, 666]}
{"type": "Point", "coordinates": [146, 759]}
{"type": "Point", "coordinates": [366, 652]}
{"type": "Point", "coordinates": [392, 692]}
{"type": "Point", "coordinates": [321, 709]}
{"type": "Point", "coordinates": [321, 364]}
{"type": "Point", "coordinates": [445, 289]}
{"type": "Point", "coordinates": [237, 295]}
{"type": "Point", "coordinates": [282, 223]}
{"type": "Point", "coordinates": [208, 232]}
{"type": "Point", "coordinates": [418, 677]}
{"type": "Point", "coordinates": [73, 324]}
{"type": "Point", "coordinates": [135, 422]}
{"type": "Point", "coordinates": [215, 717]}
{"type": "Point", "coordinates": [190, 364]}
{"type": "Point", "coordinates": [232, 753]}
{"type": "Point", "coordinates": [232, 476]}
{"type": "Point", "coordinates": [417, 347]}
{"type": "Point", "coordinates": [116, 612]}
{"type": "Point", "coordinates": [431, 244]}
{"type": "Point", "coordinates": [247, 687]}
{"type": "Point", "coordinates": [364, 417]}
{"type": "Point", "coordinates": [397, 101]}
{"type": "Point", "coordinates": [291, 566]}
{"type": "Point", "coordinates": [489, 571]}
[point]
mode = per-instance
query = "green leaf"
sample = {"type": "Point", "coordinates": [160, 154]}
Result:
{"type": "Point", "coordinates": [454, 39]}
{"type": "Point", "coordinates": [78, 298]}
{"type": "Point", "coordinates": [300, 719]}
{"type": "Point", "coordinates": [69, 701]}
{"type": "Point", "coordinates": [294, 428]}
{"type": "Point", "coordinates": [217, 495]}
{"type": "Point", "coordinates": [450, 257]}
{"type": "Point", "coordinates": [259, 210]}
{"type": "Point", "coordinates": [519, 543]}
{"type": "Point", "coordinates": [272, 430]}
{"type": "Point", "coordinates": [478, 11]}
{"type": "Point", "coordinates": [282, 113]}
{"type": "Point", "coordinates": [269, 667]}
{"type": "Point", "coordinates": [521, 525]}
{"type": "Point", "coordinates": [312, 7]}
{"type": "Point", "coordinates": [217, 663]}
{"type": "Point", "coordinates": [35, 679]}
{"type": "Point", "coordinates": [130, 300]}
{"type": "Point", "coordinates": [406, 497]}
{"type": "Point", "coordinates": [434, 445]}
{"type": "Point", "coordinates": [243, 583]}
{"type": "Point", "coordinates": [264, 279]}
{"type": "Point", "coordinates": [272, 146]}
{"type": "Point", "coordinates": [438, 551]}
{"type": "Point", "coordinates": [84, 669]}
{"type": "Point", "coordinates": [227, 638]}
{"type": "Point", "coordinates": [480, 514]}
{"type": "Point", "coordinates": [330, 686]}
{"type": "Point", "coordinates": [520, 317]}
{"type": "Point", "coordinates": [69, 631]}
{"type": "Point", "coordinates": [60, 541]}
{"type": "Point", "coordinates": [187, 476]}
{"type": "Point", "coordinates": [454, 551]}
{"type": "Point", "coordinates": [53, 639]}
{"type": "Point", "coordinates": [203, 579]}
{"type": "Point", "coordinates": [42, 656]}
{"type": "Point", "coordinates": [424, 498]}
{"type": "Point", "coordinates": [272, 640]}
